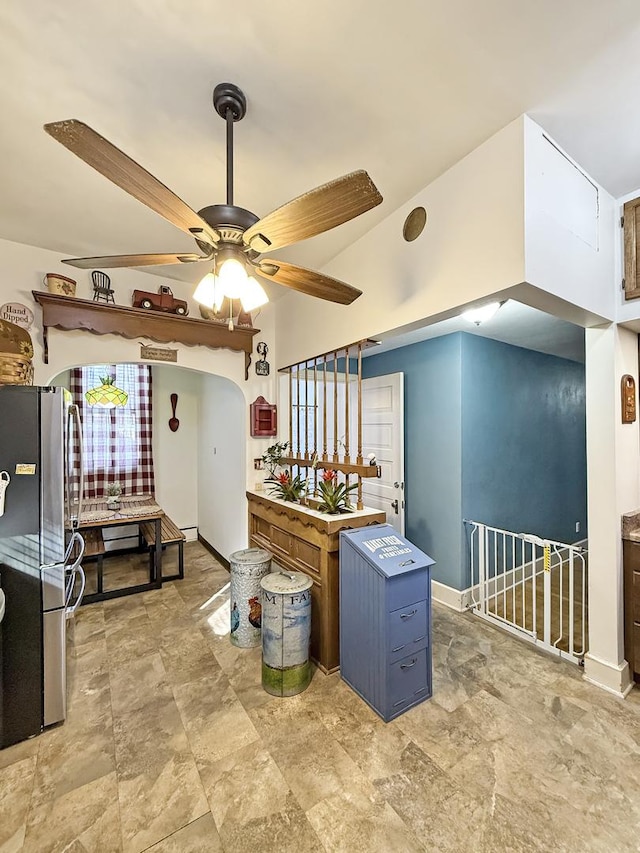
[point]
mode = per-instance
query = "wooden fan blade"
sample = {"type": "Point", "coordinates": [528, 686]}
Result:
{"type": "Point", "coordinates": [308, 281]}
{"type": "Point", "coordinates": [113, 261]}
{"type": "Point", "coordinates": [115, 165]}
{"type": "Point", "coordinates": [314, 212]}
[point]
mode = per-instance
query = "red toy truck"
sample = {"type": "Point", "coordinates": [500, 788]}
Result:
{"type": "Point", "coordinates": [163, 300]}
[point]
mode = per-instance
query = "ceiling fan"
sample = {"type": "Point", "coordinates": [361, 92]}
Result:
{"type": "Point", "coordinates": [229, 237]}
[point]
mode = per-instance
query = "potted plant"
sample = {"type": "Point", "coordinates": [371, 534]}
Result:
{"type": "Point", "coordinates": [289, 488]}
{"type": "Point", "coordinates": [335, 495]}
{"type": "Point", "coordinates": [272, 457]}
{"type": "Point", "coordinates": [114, 490]}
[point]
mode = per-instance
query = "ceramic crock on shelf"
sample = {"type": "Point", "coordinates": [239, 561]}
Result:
{"type": "Point", "coordinates": [60, 284]}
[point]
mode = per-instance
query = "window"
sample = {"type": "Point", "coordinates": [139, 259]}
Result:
{"type": "Point", "coordinates": [117, 441]}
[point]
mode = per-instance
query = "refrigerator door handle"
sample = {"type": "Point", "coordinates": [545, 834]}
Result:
{"type": "Point", "coordinates": [75, 538]}
{"type": "Point", "coordinates": [71, 608]}
{"type": "Point", "coordinates": [75, 412]}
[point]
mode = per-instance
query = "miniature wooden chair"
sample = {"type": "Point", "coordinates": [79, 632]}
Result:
{"type": "Point", "coordinates": [101, 287]}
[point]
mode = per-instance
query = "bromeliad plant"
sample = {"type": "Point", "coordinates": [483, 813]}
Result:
{"type": "Point", "coordinates": [335, 495]}
{"type": "Point", "coordinates": [287, 488]}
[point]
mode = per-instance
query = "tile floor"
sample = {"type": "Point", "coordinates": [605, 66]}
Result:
{"type": "Point", "coordinates": [172, 746]}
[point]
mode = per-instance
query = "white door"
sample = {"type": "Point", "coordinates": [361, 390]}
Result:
{"type": "Point", "coordinates": [383, 434]}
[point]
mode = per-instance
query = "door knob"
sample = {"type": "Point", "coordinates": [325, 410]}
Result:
{"type": "Point", "coordinates": [394, 505]}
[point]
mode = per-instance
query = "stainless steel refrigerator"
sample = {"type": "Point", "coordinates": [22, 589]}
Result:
{"type": "Point", "coordinates": [40, 554]}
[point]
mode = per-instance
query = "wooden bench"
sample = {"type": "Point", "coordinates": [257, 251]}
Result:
{"type": "Point", "coordinates": [94, 547]}
{"type": "Point", "coordinates": [171, 535]}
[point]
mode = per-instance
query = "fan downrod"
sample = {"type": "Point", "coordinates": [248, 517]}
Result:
{"type": "Point", "coordinates": [227, 96]}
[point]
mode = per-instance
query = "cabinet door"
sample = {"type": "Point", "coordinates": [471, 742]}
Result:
{"type": "Point", "coordinates": [631, 236]}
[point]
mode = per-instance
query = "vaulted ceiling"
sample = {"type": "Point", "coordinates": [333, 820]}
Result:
{"type": "Point", "coordinates": [403, 90]}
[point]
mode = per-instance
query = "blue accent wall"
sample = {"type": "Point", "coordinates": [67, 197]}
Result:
{"type": "Point", "coordinates": [524, 458]}
{"type": "Point", "coordinates": [493, 433]}
{"type": "Point", "coordinates": [432, 439]}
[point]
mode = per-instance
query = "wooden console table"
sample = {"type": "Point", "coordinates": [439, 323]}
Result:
{"type": "Point", "coordinates": [305, 540]}
{"type": "Point", "coordinates": [67, 312]}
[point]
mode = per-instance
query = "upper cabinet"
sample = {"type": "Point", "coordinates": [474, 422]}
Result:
{"type": "Point", "coordinates": [631, 215]}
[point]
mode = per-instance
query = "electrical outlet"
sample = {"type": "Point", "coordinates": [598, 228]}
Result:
{"type": "Point", "coordinates": [577, 527]}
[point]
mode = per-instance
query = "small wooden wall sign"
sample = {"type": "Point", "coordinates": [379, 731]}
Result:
{"type": "Point", "coordinates": [628, 392]}
{"type": "Point", "coordinates": [158, 353]}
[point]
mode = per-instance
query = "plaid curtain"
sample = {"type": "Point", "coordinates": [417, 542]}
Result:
{"type": "Point", "coordinates": [117, 442]}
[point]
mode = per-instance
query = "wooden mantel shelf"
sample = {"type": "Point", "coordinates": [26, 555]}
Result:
{"type": "Point", "coordinates": [100, 318]}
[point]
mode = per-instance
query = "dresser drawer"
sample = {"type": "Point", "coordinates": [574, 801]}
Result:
{"type": "Point", "coordinates": [408, 681]}
{"type": "Point", "coordinates": [408, 630]}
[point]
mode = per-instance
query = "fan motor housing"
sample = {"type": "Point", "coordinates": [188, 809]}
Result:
{"type": "Point", "coordinates": [229, 220]}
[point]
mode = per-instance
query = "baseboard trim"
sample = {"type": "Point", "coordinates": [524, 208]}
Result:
{"type": "Point", "coordinates": [614, 678]}
{"type": "Point", "coordinates": [222, 560]}
{"type": "Point", "coordinates": [456, 599]}
{"type": "Point", "coordinates": [191, 533]}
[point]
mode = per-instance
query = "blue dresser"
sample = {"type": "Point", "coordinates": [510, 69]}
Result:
{"type": "Point", "coordinates": [385, 619]}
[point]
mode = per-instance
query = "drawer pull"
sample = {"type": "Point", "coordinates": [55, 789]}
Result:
{"type": "Point", "coordinates": [401, 702]}
{"type": "Point", "coordinates": [408, 615]}
{"type": "Point", "coordinates": [420, 639]}
{"type": "Point", "coordinates": [409, 665]}
{"type": "Point", "coordinates": [422, 689]}
{"type": "Point", "coordinates": [397, 648]}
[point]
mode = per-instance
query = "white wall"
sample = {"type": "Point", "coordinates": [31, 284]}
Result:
{"type": "Point", "coordinates": [472, 246]}
{"type": "Point", "coordinates": [613, 472]}
{"type": "Point", "coordinates": [222, 505]}
{"type": "Point", "coordinates": [569, 227]}
{"type": "Point", "coordinates": [176, 454]}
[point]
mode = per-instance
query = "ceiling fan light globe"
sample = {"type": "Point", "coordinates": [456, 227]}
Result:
{"type": "Point", "coordinates": [233, 278]}
{"type": "Point", "coordinates": [254, 295]}
{"type": "Point", "coordinates": [206, 291]}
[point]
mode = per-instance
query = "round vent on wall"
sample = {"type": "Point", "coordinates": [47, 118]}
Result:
{"type": "Point", "coordinates": [414, 224]}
